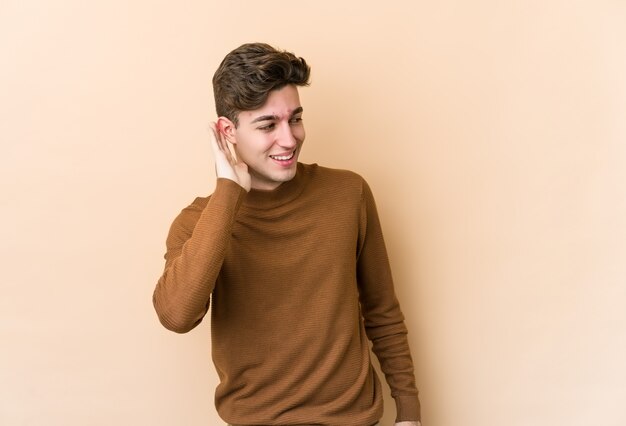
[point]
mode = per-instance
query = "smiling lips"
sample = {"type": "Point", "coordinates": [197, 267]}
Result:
{"type": "Point", "coordinates": [283, 157]}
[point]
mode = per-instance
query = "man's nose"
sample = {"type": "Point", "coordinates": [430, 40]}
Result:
{"type": "Point", "coordinates": [286, 138]}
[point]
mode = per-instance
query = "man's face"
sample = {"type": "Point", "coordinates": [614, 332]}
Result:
{"type": "Point", "coordinates": [269, 139]}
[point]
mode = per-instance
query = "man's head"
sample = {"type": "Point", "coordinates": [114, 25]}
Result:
{"type": "Point", "coordinates": [259, 111]}
{"type": "Point", "coordinates": [249, 73]}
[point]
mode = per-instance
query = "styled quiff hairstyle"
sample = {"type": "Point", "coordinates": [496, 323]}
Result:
{"type": "Point", "coordinates": [249, 73]}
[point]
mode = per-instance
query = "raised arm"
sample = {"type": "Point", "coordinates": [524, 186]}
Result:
{"type": "Point", "coordinates": [197, 243]}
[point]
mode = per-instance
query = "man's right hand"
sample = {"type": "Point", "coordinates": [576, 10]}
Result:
{"type": "Point", "coordinates": [227, 165]}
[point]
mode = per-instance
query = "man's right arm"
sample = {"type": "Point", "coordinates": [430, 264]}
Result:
{"type": "Point", "coordinates": [197, 242]}
{"type": "Point", "coordinates": [196, 246]}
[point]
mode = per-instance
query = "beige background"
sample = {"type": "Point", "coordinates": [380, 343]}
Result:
{"type": "Point", "coordinates": [493, 134]}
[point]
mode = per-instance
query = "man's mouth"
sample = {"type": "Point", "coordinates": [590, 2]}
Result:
{"type": "Point", "coordinates": [283, 157]}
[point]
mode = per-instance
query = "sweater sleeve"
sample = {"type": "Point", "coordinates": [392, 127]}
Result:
{"type": "Point", "coordinates": [196, 247]}
{"type": "Point", "coordinates": [384, 321]}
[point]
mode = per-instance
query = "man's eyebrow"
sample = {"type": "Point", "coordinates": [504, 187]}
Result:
{"type": "Point", "coordinates": [298, 110]}
{"type": "Point", "coordinates": [264, 118]}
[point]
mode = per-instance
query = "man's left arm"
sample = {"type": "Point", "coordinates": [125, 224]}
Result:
{"type": "Point", "coordinates": [384, 321]}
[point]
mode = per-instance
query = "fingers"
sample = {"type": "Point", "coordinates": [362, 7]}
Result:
{"type": "Point", "coordinates": [227, 165]}
{"type": "Point", "coordinates": [219, 145]}
{"type": "Point", "coordinates": [213, 139]}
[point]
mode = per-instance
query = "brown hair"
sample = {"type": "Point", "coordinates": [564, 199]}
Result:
{"type": "Point", "coordinates": [249, 73]}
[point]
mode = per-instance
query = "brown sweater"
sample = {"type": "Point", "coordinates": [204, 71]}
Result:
{"type": "Point", "coordinates": [299, 280]}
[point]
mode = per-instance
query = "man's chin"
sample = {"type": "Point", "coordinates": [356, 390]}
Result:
{"type": "Point", "coordinates": [286, 176]}
{"type": "Point", "coordinates": [274, 180]}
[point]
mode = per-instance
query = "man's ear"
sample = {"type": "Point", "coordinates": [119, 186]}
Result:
{"type": "Point", "coordinates": [227, 129]}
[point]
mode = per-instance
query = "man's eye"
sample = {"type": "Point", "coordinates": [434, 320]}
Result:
{"type": "Point", "coordinates": [295, 120]}
{"type": "Point", "coordinates": [267, 127]}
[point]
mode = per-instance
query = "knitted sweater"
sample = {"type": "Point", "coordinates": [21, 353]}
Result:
{"type": "Point", "coordinates": [299, 280]}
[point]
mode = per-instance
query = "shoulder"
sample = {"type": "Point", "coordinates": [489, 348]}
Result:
{"type": "Point", "coordinates": [193, 210]}
{"type": "Point", "coordinates": [185, 222]}
{"type": "Point", "coordinates": [198, 204]}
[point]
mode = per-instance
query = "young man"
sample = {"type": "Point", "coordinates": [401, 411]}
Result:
{"type": "Point", "coordinates": [293, 258]}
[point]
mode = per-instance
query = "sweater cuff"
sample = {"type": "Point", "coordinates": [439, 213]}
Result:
{"type": "Point", "coordinates": [226, 191]}
{"type": "Point", "coordinates": [407, 408]}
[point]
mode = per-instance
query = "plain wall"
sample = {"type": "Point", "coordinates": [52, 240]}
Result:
{"type": "Point", "coordinates": [493, 134]}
